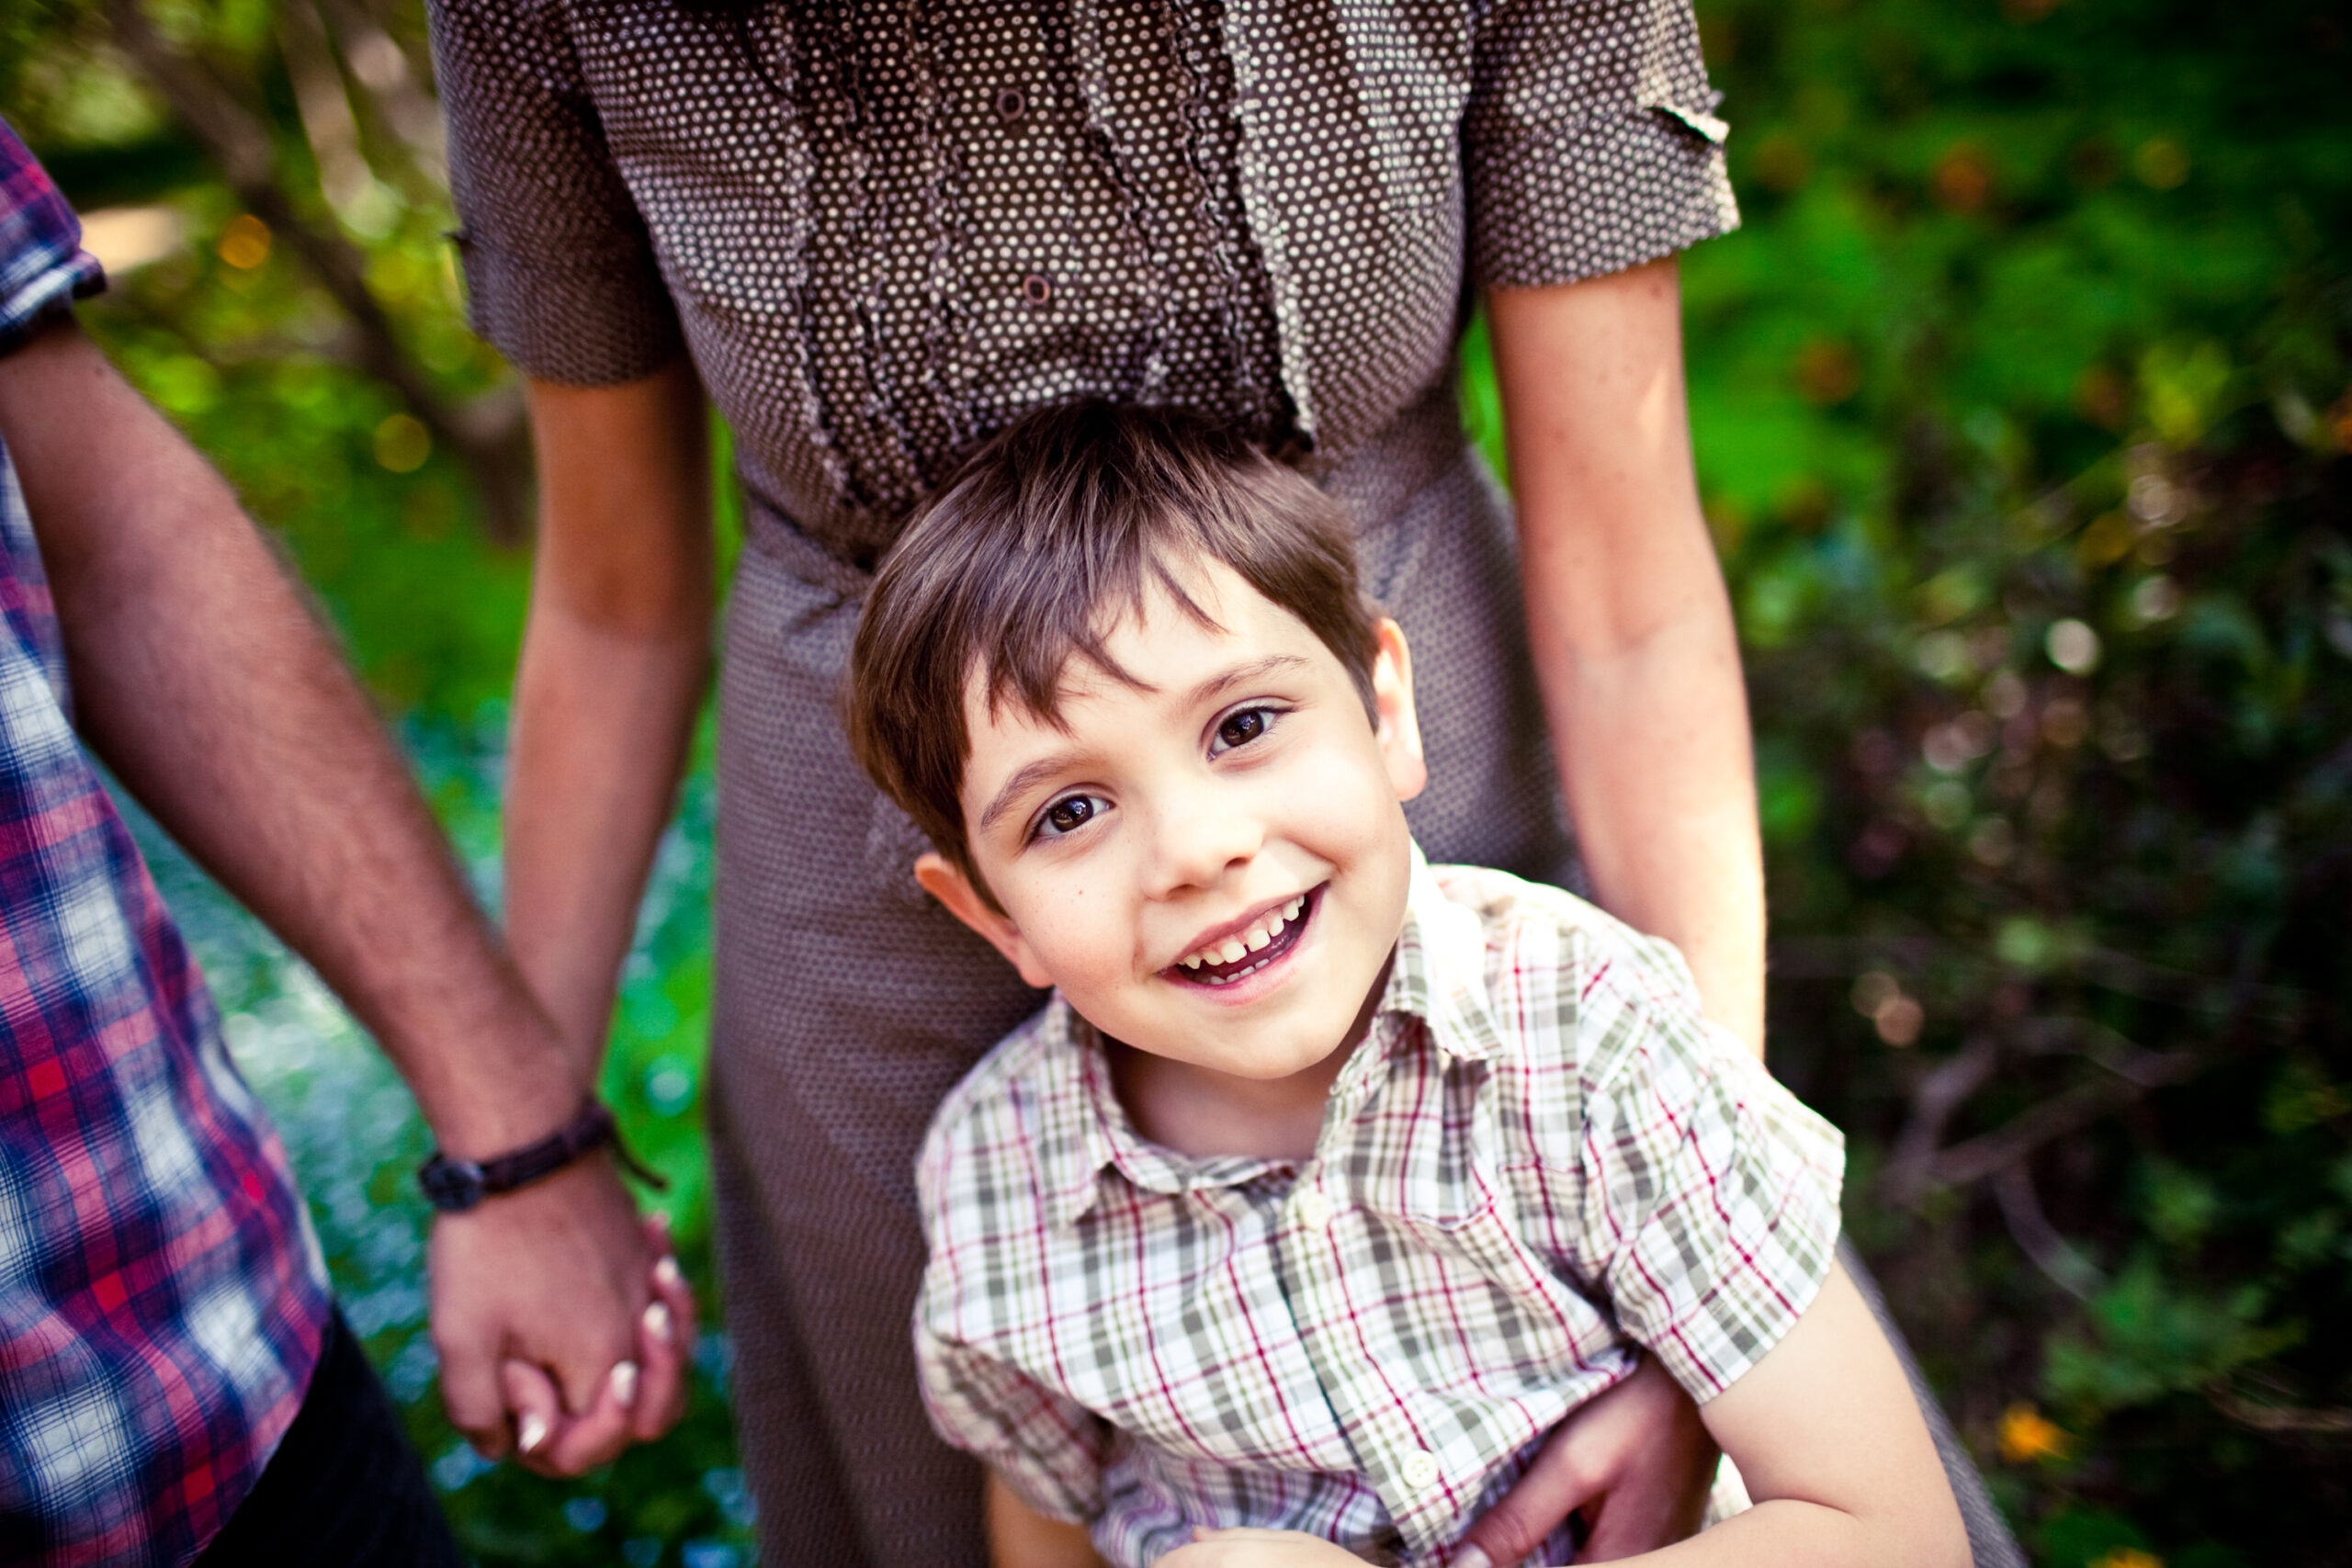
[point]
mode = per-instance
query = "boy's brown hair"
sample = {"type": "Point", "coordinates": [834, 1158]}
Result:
{"type": "Point", "coordinates": [1046, 539]}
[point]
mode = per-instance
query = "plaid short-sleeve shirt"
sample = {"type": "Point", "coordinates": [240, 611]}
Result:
{"type": "Point", "coordinates": [161, 1293]}
{"type": "Point", "coordinates": [1540, 1158]}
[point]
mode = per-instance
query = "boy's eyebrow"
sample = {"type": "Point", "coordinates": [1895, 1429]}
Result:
{"type": "Point", "coordinates": [1244, 674]}
{"type": "Point", "coordinates": [1024, 778]}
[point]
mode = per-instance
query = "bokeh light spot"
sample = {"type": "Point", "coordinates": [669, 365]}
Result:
{"type": "Point", "coordinates": [244, 243]}
{"type": "Point", "coordinates": [402, 444]}
{"type": "Point", "coordinates": [2072, 646]}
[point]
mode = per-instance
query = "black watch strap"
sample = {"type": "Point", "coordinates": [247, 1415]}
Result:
{"type": "Point", "coordinates": [457, 1185]}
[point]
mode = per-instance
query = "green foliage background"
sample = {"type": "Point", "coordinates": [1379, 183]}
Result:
{"type": "Point", "coordinates": [2022, 403]}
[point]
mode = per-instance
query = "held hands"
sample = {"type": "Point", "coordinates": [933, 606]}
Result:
{"type": "Point", "coordinates": [564, 1327]}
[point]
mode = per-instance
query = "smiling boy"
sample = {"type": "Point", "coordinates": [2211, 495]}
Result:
{"type": "Point", "coordinates": [1329, 1182]}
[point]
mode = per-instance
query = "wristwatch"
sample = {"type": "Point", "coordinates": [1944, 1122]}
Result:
{"type": "Point", "coordinates": [455, 1186]}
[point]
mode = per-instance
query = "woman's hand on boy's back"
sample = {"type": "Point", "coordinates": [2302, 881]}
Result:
{"type": "Point", "coordinates": [1636, 1463]}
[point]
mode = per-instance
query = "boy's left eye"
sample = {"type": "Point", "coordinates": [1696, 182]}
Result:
{"type": "Point", "coordinates": [1242, 727]}
{"type": "Point", "coordinates": [1068, 815]}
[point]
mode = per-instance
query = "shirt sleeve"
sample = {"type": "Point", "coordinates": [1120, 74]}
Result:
{"type": "Point", "coordinates": [1050, 1449]}
{"type": "Point", "coordinates": [561, 273]}
{"type": "Point", "coordinates": [1710, 1192]}
{"type": "Point", "coordinates": [43, 268]}
{"type": "Point", "coordinates": [1589, 142]}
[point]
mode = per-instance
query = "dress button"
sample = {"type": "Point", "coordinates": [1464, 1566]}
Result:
{"type": "Point", "coordinates": [1037, 288]}
{"type": "Point", "coordinates": [1012, 105]}
{"type": "Point", "coordinates": [1418, 1469]}
{"type": "Point", "coordinates": [1314, 1209]}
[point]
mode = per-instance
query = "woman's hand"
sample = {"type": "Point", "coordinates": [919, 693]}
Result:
{"type": "Point", "coordinates": [1258, 1548]}
{"type": "Point", "coordinates": [1636, 1463]}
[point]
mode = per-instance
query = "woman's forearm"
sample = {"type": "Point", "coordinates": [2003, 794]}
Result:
{"type": "Point", "coordinates": [1655, 759]}
{"type": "Point", "coordinates": [612, 673]}
{"type": "Point", "coordinates": [602, 723]}
{"type": "Point", "coordinates": [1630, 625]}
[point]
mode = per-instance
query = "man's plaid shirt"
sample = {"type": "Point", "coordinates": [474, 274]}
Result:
{"type": "Point", "coordinates": [1540, 1158]}
{"type": "Point", "coordinates": [161, 1293]}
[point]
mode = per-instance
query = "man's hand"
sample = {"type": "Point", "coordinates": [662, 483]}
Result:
{"type": "Point", "coordinates": [555, 1305]}
{"type": "Point", "coordinates": [1636, 1464]}
{"type": "Point", "coordinates": [1258, 1548]}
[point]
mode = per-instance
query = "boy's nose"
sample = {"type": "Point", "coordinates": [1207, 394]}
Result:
{"type": "Point", "coordinates": [1196, 843]}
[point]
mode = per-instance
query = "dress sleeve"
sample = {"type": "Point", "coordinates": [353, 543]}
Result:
{"type": "Point", "coordinates": [1710, 1191]}
{"type": "Point", "coordinates": [561, 275]}
{"type": "Point", "coordinates": [1047, 1447]}
{"type": "Point", "coordinates": [1589, 142]}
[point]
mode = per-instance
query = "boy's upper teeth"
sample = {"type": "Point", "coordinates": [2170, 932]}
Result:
{"type": "Point", "coordinates": [1256, 939]}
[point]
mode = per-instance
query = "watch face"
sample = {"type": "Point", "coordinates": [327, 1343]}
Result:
{"type": "Point", "coordinates": [452, 1184]}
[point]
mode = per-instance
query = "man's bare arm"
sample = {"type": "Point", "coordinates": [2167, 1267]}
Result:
{"type": "Point", "coordinates": [1630, 625]}
{"type": "Point", "coordinates": [203, 680]}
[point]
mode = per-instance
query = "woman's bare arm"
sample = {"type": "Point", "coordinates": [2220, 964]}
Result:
{"type": "Point", "coordinates": [613, 665]}
{"type": "Point", "coordinates": [1630, 625]}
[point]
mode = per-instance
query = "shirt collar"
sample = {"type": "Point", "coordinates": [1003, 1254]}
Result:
{"type": "Point", "coordinates": [1437, 977]}
{"type": "Point", "coordinates": [1439, 974]}
{"type": "Point", "coordinates": [1085, 1129]}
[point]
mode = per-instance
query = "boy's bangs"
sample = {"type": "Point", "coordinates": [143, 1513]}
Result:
{"type": "Point", "coordinates": [1030, 666]}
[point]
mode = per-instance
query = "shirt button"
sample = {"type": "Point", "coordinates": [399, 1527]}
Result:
{"type": "Point", "coordinates": [1418, 1469]}
{"type": "Point", "coordinates": [1012, 105]}
{"type": "Point", "coordinates": [1314, 1209]}
{"type": "Point", "coordinates": [1037, 288]}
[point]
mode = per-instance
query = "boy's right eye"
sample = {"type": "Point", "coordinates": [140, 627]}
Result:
{"type": "Point", "coordinates": [1068, 815]}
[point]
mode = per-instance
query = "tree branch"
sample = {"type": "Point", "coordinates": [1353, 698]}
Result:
{"type": "Point", "coordinates": [2277, 1418]}
{"type": "Point", "coordinates": [491, 446]}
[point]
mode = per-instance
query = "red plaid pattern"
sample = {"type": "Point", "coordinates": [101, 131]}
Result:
{"type": "Point", "coordinates": [1541, 1158]}
{"type": "Point", "coordinates": [160, 1295]}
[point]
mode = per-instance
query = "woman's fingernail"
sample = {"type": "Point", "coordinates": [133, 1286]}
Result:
{"type": "Point", "coordinates": [658, 1326]}
{"type": "Point", "coordinates": [1471, 1557]}
{"type": "Point", "coordinates": [666, 1273]}
{"type": "Point", "coordinates": [625, 1385]}
{"type": "Point", "coordinates": [530, 1431]}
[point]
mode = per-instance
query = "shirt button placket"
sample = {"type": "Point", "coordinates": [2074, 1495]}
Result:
{"type": "Point", "coordinates": [1313, 1209]}
{"type": "Point", "coordinates": [1318, 1306]}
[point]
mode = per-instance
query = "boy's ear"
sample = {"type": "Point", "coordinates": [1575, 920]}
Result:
{"type": "Point", "coordinates": [945, 881]}
{"type": "Point", "coordinates": [1392, 704]}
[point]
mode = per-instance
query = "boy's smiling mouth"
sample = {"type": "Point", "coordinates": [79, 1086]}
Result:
{"type": "Point", "coordinates": [1266, 938]}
